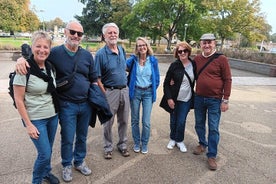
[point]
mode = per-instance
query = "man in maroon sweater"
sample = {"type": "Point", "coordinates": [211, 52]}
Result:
{"type": "Point", "coordinates": [213, 88]}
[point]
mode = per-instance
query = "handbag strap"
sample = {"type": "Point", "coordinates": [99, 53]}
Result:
{"type": "Point", "coordinates": [190, 80]}
{"type": "Point", "coordinates": [75, 61]}
{"type": "Point", "coordinates": [216, 55]}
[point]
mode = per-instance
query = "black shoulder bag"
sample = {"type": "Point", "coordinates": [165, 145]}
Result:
{"type": "Point", "coordinates": [66, 82]}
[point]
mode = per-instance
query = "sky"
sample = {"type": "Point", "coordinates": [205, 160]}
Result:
{"type": "Point", "coordinates": [66, 10]}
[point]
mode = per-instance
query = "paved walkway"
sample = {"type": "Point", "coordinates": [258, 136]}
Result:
{"type": "Point", "coordinates": [247, 150]}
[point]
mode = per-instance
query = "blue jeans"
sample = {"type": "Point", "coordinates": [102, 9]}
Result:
{"type": "Point", "coordinates": [44, 144]}
{"type": "Point", "coordinates": [74, 120]}
{"type": "Point", "coordinates": [143, 97]}
{"type": "Point", "coordinates": [209, 107]}
{"type": "Point", "coordinates": [178, 120]}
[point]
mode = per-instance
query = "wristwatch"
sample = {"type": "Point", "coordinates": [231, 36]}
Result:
{"type": "Point", "coordinates": [225, 101]}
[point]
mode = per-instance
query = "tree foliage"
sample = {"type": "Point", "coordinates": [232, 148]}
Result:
{"type": "Point", "coordinates": [161, 18]}
{"type": "Point", "coordinates": [50, 25]}
{"type": "Point", "coordinates": [15, 15]}
{"type": "Point", "coordinates": [227, 17]}
{"type": "Point", "coordinates": [99, 12]}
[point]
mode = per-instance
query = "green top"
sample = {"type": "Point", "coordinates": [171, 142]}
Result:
{"type": "Point", "coordinates": [38, 101]}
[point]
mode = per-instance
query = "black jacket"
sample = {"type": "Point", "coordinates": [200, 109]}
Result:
{"type": "Point", "coordinates": [175, 73]}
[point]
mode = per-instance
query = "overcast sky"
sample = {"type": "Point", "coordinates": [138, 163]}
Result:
{"type": "Point", "coordinates": [66, 9]}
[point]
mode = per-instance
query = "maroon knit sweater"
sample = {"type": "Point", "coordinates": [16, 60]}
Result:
{"type": "Point", "coordinates": [215, 80]}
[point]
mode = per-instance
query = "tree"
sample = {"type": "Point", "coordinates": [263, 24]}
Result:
{"type": "Point", "coordinates": [16, 16]}
{"type": "Point", "coordinates": [226, 17]}
{"type": "Point", "coordinates": [161, 18]}
{"type": "Point", "coordinates": [56, 22]}
{"type": "Point", "coordinates": [97, 13]}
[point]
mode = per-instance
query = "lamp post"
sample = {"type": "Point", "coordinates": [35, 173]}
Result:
{"type": "Point", "coordinates": [185, 31]}
{"type": "Point", "coordinates": [43, 23]}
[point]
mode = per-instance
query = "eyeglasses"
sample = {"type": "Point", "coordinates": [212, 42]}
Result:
{"type": "Point", "coordinates": [181, 51]}
{"type": "Point", "coordinates": [142, 45]}
{"type": "Point", "coordinates": [72, 32]}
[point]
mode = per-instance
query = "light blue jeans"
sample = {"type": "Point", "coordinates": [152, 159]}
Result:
{"type": "Point", "coordinates": [74, 120]}
{"type": "Point", "coordinates": [208, 107]}
{"type": "Point", "coordinates": [143, 97]}
{"type": "Point", "coordinates": [44, 144]}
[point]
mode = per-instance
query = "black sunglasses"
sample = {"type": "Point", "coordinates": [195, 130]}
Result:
{"type": "Point", "coordinates": [72, 32]}
{"type": "Point", "coordinates": [180, 51]}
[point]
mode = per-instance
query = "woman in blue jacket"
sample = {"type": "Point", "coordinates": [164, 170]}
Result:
{"type": "Point", "coordinates": [143, 81]}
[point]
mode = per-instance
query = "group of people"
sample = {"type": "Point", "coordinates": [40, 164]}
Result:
{"type": "Point", "coordinates": [41, 106]}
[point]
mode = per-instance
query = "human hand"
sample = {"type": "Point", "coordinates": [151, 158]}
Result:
{"type": "Point", "coordinates": [171, 103]}
{"type": "Point", "coordinates": [32, 131]}
{"type": "Point", "coordinates": [224, 107]}
{"type": "Point", "coordinates": [171, 82]}
{"type": "Point", "coordinates": [21, 66]}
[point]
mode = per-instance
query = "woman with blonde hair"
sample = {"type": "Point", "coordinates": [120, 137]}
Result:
{"type": "Point", "coordinates": [37, 103]}
{"type": "Point", "coordinates": [143, 82]}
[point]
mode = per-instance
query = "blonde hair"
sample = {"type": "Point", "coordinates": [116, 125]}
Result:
{"type": "Point", "coordinates": [182, 44]}
{"type": "Point", "coordinates": [149, 49]}
{"type": "Point", "coordinates": [41, 35]}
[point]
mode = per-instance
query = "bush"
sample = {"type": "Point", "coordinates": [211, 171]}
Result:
{"type": "Point", "coordinates": [251, 55]}
{"type": "Point", "coordinates": [241, 53]}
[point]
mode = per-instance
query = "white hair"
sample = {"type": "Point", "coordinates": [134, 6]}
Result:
{"type": "Point", "coordinates": [109, 25]}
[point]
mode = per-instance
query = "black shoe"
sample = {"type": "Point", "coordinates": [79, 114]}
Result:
{"type": "Point", "coordinates": [50, 178]}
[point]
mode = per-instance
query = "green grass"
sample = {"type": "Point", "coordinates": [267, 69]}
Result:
{"type": "Point", "coordinates": [15, 44]}
{"type": "Point", "coordinates": [12, 44]}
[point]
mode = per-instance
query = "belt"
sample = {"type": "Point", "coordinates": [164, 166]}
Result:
{"type": "Point", "coordinates": [115, 87]}
{"type": "Point", "coordinates": [143, 88]}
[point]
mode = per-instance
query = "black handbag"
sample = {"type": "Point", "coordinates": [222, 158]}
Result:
{"type": "Point", "coordinates": [66, 82]}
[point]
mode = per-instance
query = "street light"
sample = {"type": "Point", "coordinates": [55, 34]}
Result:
{"type": "Point", "coordinates": [185, 31]}
{"type": "Point", "coordinates": [43, 23]}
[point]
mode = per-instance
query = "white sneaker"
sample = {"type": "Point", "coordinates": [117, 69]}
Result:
{"type": "Point", "coordinates": [84, 169]}
{"type": "Point", "coordinates": [171, 144]}
{"type": "Point", "coordinates": [67, 173]}
{"type": "Point", "coordinates": [181, 146]}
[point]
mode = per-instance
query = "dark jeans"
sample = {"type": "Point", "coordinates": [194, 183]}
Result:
{"type": "Point", "coordinates": [178, 120]}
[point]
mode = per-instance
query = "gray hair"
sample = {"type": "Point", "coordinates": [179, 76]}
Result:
{"type": "Point", "coordinates": [109, 25]}
{"type": "Point", "coordinates": [41, 35]}
{"type": "Point", "coordinates": [68, 25]}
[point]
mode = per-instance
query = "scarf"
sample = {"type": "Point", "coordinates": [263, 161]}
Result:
{"type": "Point", "coordinates": [47, 77]}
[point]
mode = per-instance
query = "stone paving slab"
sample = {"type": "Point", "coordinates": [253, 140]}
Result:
{"type": "Point", "coordinates": [247, 150]}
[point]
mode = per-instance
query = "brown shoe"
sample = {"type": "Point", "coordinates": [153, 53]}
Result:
{"type": "Point", "coordinates": [108, 155]}
{"type": "Point", "coordinates": [124, 152]}
{"type": "Point", "coordinates": [199, 150]}
{"type": "Point", "coordinates": [212, 164]}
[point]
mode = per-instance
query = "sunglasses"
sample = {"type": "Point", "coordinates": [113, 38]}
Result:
{"type": "Point", "coordinates": [181, 51]}
{"type": "Point", "coordinates": [72, 32]}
